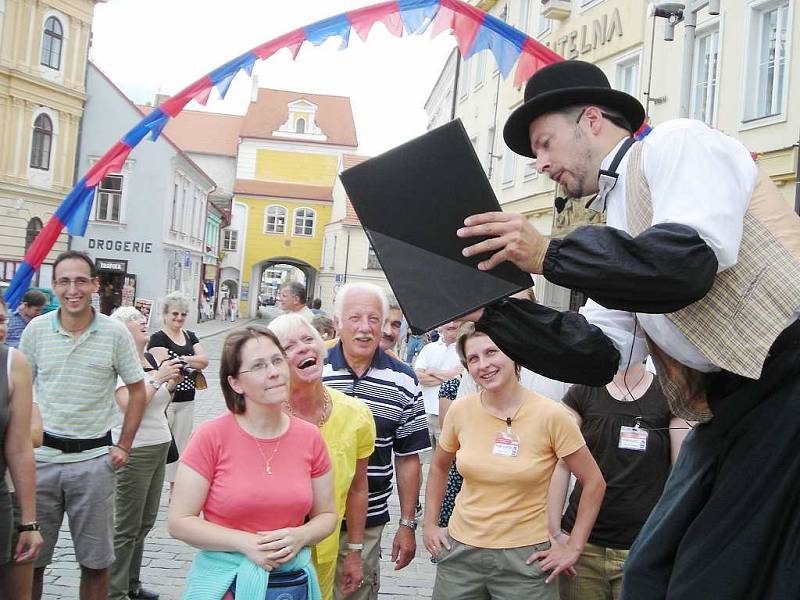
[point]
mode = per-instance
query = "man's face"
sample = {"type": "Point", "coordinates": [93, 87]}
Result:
{"type": "Point", "coordinates": [29, 310]}
{"type": "Point", "coordinates": [74, 286]}
{"type": "Point", "coordinates": [287, 300]}
{"type": "Point", "coordinates": [360, 329]}
{"type": "Point", "coordinates": [449, 331]}
{"type": "Point", "coordinates": [391, 328]}
{"type": "Point", "coordinates": [563, 151]}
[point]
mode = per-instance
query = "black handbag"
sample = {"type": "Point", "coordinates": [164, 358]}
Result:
{"type": "Point", "coordinates": [172, 454]}
{"type": "Point", "coordinates": [289, 585]}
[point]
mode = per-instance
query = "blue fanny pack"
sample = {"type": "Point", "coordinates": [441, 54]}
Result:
{"type": "Point", "coordinates": [291, 585]}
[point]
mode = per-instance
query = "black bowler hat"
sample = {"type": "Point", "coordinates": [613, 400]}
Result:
{"type": "Point", "coordinates": [564, 84]}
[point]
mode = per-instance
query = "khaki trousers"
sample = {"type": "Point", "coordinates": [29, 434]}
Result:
{"type": "Point", "coordinates": [371, 555]}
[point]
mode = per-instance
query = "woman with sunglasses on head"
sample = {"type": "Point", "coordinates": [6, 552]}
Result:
{"type": "Point", "coordinates": [506, 441]}
{"type": "Point", "coordinates": [348, 428]}
{"type": "Point", "coordinates": [261, 478]}
{"type": "Point", "coordinates": [173, 341]}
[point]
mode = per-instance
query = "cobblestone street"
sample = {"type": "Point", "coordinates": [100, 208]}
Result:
{"type": "Point", "coordinates": [166, 561]}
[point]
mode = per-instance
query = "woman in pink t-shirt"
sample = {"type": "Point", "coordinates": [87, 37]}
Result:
{"type": "Point", "coordinates": [255, 473]}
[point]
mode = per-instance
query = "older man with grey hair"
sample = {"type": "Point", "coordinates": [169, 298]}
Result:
{"type": "Point", "coordinates": [293, 300]}
{"type": "Point", "coordinates": [359, 367]}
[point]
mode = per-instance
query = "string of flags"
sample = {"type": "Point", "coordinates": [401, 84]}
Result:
{"type": "Point", "coordinates": [474, 31]}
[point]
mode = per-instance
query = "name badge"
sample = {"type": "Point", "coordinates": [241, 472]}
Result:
{"type": "Point", "coordinates": [506, 444]}
{"type": "Point", "coordinates": [632, 438]}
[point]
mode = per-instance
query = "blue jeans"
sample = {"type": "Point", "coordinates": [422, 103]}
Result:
{"type": "Point", "coordinates": [415, 344]}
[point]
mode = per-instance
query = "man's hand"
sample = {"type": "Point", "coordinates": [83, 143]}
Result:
{"type": "Point", "coordinates": [119, 458]}
{"type": "Point", "coordinates": [512, 238]}
{"type": "Point", "coordinates": [28, 546]}
{"type": "Point", "coordinates": [404, 547]}
{"type": "Point", "coordinates": [352, 576]}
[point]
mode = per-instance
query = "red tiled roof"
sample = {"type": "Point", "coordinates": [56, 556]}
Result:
{"type": "Point", "coordinates": [271, 110]}
{"type": "Point", "coordinates": [251, 187]}
{"type": "Point", "coordinates": [350, 216]}
{"type": "Point", "coordinates": [204, 132]}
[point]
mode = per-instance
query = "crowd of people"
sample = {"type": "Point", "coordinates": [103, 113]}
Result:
{"type": "Point", "coordinates": [650, 403]}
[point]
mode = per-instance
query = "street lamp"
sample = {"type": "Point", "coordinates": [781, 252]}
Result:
{"type": "Point", "coordinates": [673, 13]}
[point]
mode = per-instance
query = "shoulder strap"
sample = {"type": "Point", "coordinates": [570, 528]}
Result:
{"type": "Point", "coordinates": [151, 359]}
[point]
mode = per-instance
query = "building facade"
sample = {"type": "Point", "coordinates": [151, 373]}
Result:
{"type": "Point", "coordinates": [43, 52]}
{"type": "Point", "coordinates": [148, 222]}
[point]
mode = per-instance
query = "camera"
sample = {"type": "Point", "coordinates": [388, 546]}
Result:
{"type": "Point", "coordinates": [187, 371]}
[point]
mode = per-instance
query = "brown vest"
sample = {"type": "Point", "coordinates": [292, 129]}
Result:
{"type": "Point", "coordinates": [750, 303]}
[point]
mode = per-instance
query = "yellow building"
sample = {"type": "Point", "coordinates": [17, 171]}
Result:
{"type": "Point", "coordinates": [43, 47]}
{"type": "Point", "coordinates": [290, 148]}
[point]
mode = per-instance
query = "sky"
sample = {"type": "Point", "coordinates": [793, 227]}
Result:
{"type": "Point", "coordinates": [151, 46]}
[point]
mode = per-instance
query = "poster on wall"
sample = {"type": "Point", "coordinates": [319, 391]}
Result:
{"type": "Point", "coordinates": [144, 306]}
{"type": "Point", "coordinates": [128, 290]}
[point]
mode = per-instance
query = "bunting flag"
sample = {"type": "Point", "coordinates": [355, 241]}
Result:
{"type": "Point", "coordinates": [473, 29]}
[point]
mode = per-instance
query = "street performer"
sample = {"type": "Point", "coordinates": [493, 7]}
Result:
{"type": "Point", "coordinates": [699, 265]}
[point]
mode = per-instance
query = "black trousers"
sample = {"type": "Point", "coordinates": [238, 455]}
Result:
{"type": "Point", "coordinates": [727, 526]}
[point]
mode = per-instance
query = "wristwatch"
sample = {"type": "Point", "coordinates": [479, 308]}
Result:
{"type": "Point", "coordinates": [410, 523]}
{"type": "Point", "coordinates": [32, 526]}
{"type": "Point", "coordinates": [155, 384]}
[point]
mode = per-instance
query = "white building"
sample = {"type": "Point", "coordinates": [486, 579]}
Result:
{"type": "Point", "coordinates": [147, 225]}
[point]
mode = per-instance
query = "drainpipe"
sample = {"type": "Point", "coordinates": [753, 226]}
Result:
{"type": "Point", "coordinates": [687, 66]}
{"type": "Point", "coordinates": [346, 256]}
{"type": "Point", "coordinates": [797, 181]}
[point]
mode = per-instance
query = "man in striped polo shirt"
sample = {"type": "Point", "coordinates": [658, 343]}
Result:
{"type": "Point", "coordinates": [76, 355]}
{"type": "Point", "coordinates": [358, 367]}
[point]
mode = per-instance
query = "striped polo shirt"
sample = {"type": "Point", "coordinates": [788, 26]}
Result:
{"type": "Point", "coordinates": [74, 381]}
{"type": "Point", "coordinates": [391, 391]}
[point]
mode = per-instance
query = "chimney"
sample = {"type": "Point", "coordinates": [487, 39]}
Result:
{"type": "Point", "coordinates": [254, 89]}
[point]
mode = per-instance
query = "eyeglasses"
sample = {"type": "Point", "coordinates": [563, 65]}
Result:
{"type": "Point", "coordinates": [261, 366]}
{"type": "Point", "coordinates": [65, 282]}
{"type": "Point", "coordinates": [179, 314]}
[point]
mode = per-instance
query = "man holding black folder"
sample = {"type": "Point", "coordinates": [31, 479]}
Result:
{"type": "Point", "coordinates": [699, 265]}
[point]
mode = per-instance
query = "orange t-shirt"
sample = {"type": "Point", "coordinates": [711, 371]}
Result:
{"type": "Point", "coordinates": [502, 502]}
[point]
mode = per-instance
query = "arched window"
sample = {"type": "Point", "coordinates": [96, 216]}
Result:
{"type": "Point", "coordinates": [42, 142]}
{"type": "Point", "coordinates": [304, 221]}
{"type": "Point", "coordinates": [275, 219]}
{"type": "Point", "coordinates": [300, 125]}
{"type": "Point", "coordinates": [33, 229]}
{"type": "Point", "coordinates": [52, 40]}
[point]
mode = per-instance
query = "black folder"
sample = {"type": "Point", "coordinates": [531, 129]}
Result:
{"type": "Point", "coordinates": [411, 201]}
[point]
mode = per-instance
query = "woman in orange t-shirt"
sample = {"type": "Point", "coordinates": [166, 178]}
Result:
{"type": "Point", "coordinates": [506, 442]}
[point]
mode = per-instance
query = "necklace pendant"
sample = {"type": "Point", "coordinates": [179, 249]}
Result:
{"type": "Point", "coordinates": [269, 469]}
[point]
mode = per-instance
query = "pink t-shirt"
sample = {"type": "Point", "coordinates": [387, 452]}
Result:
{"type": "Point", "coordinates": [242, 495]}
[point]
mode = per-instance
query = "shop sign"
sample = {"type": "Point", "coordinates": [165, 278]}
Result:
{"type": "Point", "coordinates": [121, 245]}
{"type": "Point", "coordinates": [108, 265]}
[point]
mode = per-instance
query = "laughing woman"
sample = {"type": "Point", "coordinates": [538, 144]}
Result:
{"type": "Point", "coordinates": [506, 442]}
{"type": "Point", "coordinates": [255, 474]}
{"type": "Point", "coordinates": [348, 428]}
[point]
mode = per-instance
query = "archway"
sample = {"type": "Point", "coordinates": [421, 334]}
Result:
{"type": "Point", "coordinates": [267, 276]}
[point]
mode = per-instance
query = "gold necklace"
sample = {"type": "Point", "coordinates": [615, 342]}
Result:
{"type": "Point", "coordinates": [268, 463]}
{"type": "Point", "coordinates": [325, 408]}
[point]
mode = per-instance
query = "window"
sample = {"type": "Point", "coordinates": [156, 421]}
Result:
{"type": "Point", "coordinates": [628, 76]}
{"type": "Point", "coordinates": [304, 221]}
{"type": "Point", "coordinates": [275, 219]}
{"type": "Point", "coordinates": [509, 166]}
{"type": "Point", "coordinates": [42, 142]}
{"type": "Point", "coordinates": [529, 170]}
{"type": "Point", "coordinates": [704, 78]}
{"type": "Point", "coordinates": [109, 198]}
{"type": "Point", "coordinates": [174, 218]}
{"type": "Point", "coordinates": [52, 40]}
{"type": "Point", "coordinates": [372, 258]}
{"type": "Point", "coordinates": [524, 11]}
{"type": "Point", "coordinates": [480, 68]}
{"type": "Point", "coordinates": [463, 74]}
{"type": "Point", "coordinates": [769, 34]}
{"type": "Point", "coordinates": [300, 126]}
{"type": "Point", "coordinates": [32, 231]}
{"type": "Point", "coordinates": [230, 240]}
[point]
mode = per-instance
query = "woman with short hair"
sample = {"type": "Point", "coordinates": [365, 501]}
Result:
{"type": "Point", "coordinates": [348, 428]}
{"type": "Point", "coordinates": [173, 341]}
{"type": "Point", "coordinates": [506, 441]}
{"type": "Point", "coordinates": [138, 484]}
{"type": "Point", "coordinates": [261, 478]}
